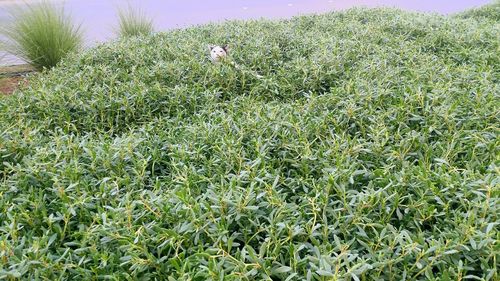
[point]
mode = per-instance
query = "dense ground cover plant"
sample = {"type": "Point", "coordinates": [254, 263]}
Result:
{"type": "Point", "coordinates": [491, 12]}
{"type": "Point", "coordinates": [41, 34]}
{"type": "Point", "coordinates": [368, 151]}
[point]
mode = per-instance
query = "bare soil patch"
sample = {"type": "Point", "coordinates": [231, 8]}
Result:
{"type": "Point", "coordinates": [9, 84]}
{"type": "Point", "coordinates": [11, 77]}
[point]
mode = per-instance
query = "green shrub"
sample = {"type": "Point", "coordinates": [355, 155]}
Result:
{"type": "Point", "coordinates": [369, 150]}
{"type": "Point", "coordinates": [41, 34]}
{"type": "Point", "coordinates": [133, 22]}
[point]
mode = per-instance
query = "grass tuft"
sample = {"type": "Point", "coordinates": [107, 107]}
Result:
{"type": "Point", "coordinates": [41, 34]}
{"type": "Point", "coordinates": [133, 22]}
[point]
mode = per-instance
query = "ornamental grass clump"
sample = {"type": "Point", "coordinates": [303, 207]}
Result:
{"type": "Point", "coordinates": [41, 34]}
{"type": "Point", "coordinates": [133, 22]}
{"type": "Point", "coordinates": [368, 150]}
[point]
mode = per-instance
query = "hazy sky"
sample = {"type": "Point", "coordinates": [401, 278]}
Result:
{"type": "Point", "coordinates": [100, 14]}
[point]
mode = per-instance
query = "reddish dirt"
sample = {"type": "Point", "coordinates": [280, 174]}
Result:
{"type": "Point", "coordinates": [9, 84]}
{"type": "Point", "coordinates": [11, 77]}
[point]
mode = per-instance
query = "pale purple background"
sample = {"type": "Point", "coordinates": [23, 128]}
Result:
{"type": "Point", "coordinates": [98, 17]}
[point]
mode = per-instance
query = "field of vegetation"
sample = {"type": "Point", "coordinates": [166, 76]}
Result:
{"type": "Point", "coordinates": [368, 150]}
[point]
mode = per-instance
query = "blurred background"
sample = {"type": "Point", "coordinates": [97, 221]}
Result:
{"type": "Point", "coordinates": [99, 17]}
